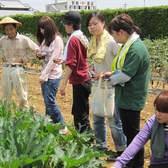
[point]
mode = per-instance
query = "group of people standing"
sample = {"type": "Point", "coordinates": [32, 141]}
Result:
{"type": "Point", "coordinates": [118, 52]}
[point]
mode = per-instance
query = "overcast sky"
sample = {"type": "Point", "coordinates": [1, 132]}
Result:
{"type": "Point", "coordinates": [102, 4]}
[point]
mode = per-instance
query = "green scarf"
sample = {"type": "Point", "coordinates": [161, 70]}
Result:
{"type": "Point", "coordinates": [158, 140]}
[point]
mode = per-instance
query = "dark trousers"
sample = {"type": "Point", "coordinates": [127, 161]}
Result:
{"type": "Point", "coordinates": [131, 126]}
{"type": "Point", "coordinates": [80, 107]}
{"type": "Point", "coordinates": [159, 166]}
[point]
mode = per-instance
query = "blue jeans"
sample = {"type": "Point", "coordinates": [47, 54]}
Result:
{"type": "Point", "coordinates": [49, 91]}
{"type": "Point", "coordinates": [99, 124]}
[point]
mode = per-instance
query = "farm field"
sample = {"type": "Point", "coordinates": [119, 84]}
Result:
{"type": "Point", "coordinates": [64, 102]}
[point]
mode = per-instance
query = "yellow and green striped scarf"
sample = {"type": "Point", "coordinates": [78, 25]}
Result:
{"type": "Point", "coordinates": [119, 60]}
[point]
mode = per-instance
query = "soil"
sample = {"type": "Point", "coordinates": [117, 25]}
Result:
{"type": "Point", "coordinates": [65, 102]}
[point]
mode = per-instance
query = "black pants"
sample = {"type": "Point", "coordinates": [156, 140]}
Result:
{"type": "Point", "coordinates": [131, 126]}
{"type": "Point", "coordinates": [159, 166]}
{"type": "Point", "coordinates": [80, 107]}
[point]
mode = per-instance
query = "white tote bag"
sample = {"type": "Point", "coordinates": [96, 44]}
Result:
{"type": "Point", "coordinates": [102, 100]}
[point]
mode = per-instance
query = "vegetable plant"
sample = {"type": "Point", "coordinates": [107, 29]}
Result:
{"type": "Point", "coordinates": [31, 140]}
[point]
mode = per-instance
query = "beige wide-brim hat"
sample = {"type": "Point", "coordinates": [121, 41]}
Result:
{"type": "Point", "coordinates": [9, 20]}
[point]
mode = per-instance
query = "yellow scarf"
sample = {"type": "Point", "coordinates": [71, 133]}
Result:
{"type": "Point", "coordinates": [119, 60]}
{"type": "Point", "coordinates": [99, 51]}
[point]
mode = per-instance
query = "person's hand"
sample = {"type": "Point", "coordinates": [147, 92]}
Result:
{"type": "Point", "coordinates": [41, 55]}
{"type": "Point", "coordinates": [106, 74]}
{"type": "Point", "coordinates": [41, 81]}
{"type": "Point", "coordinates": [91, 68]}
{"type": "Point", "coordinates": [38, 53]}
{"type": "Point", "coordinates": [4, 59]}
{"type": "Point", "coordinates": [91, 74]}
{"type": "Point", "coordinates": [62, 90]}
{"type": "Point", "coordinates": [94, 75]}
{"type": "Point", "coordinates": [113, 167]}
{"type": "Point", "coordinates": [58, 61]}
{"type": "Point", "coordinates": [20, 61]}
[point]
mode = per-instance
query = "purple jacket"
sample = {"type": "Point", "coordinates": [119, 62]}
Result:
{"type": "Point", "coordinates": [138, 142]}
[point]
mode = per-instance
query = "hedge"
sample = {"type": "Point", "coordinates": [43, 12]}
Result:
{"type": "Point", "coordinates": [151, 20]}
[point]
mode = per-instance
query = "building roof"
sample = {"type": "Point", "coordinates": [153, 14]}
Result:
{"type": "Point", "coordinates": [12, 4]}
{"type": "Point", "coordinates": [10, 7]}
